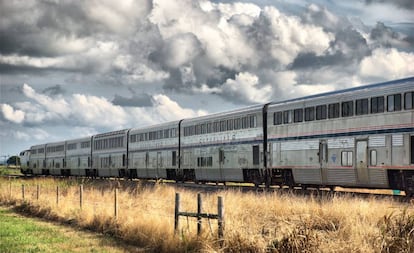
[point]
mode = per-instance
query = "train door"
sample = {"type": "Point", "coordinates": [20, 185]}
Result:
{"type": "Point", "coordinates": [221, 162]}
{"type": "Point", "coordinates": [159, 163]}
{"type": "Point", "coordinates": [361, 162]}
{"type": "Point", "coordinates": [323, 160]}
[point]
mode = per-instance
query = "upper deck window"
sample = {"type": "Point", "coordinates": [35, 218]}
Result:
{"type": "Point", "coordinates": [253, 121]}
{"type": "Point", "coordinates": [287, 117]}
{"type": "Point", "coordinates": [277, 118]}
{"type": "Point", "coordinates": [333, 110]}
{"type": "Point", "coordinates": [347, 108]}
{"type": "Point", "coordinates": [362, 106]}
{"type": "Point", "coordinates": [85, 144]}
{"type": "Point", "coordinates": [377, 104]}
{"type": "Point", "coordinates": [72, 146]}
{"type": "Point", "coordinates": [409, 100]}
{"type": "Point", "coordinates": [394, 103]}
{"type": "Point", "coordinates": [321, 112]}
{"type": "Point", "coordinates": [298, 115]}
{"type": "Point", "coordinates": [309, 113]}
{"type": "Point", "coordinates": [230, 124]}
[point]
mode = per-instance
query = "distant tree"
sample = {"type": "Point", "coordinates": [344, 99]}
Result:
{"type": "Point", "coordinates": [13, 160]}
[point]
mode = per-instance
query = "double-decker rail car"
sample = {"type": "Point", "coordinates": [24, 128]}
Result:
{"type": "Point", "coordinates": [109, 154]}
{"type": "Point", "coordinates": [153, 151]}
{"type": "Point", "coordinates": [360, 137]}
{"type": "Point", "coordinates": [55, 158]}
{"type": "Point", "coordinates": [37, 160]}
{"type": "Point", "coordinates": [79, 157]}
{"type": "Point", "coordinates": [224, 146]}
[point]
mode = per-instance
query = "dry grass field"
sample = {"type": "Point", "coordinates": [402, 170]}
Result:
{"type": "Point", "coordinates": [254, 222]}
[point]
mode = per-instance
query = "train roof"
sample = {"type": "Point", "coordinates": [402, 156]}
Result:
{"type": "Point", "coordinates": [243, 110]}
{"type": "Point", "coordinates": [168, 124]}
{"type": "Point", "coordinates": [349, 90]}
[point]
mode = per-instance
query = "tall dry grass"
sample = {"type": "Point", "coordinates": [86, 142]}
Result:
{"type": "Point", "coordinates": [254, 222]}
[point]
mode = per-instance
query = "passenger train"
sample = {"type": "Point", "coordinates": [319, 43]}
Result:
{"type": "Point", "coordinates": [357, 137]}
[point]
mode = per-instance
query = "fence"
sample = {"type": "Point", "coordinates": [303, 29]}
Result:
{"type": "Point", "coordinates": [199, 215]}
{"type": "Point", "coordinates": [34, 192]}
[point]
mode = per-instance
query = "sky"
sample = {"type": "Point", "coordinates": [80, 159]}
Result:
{"type": "Point", "coordinates": [71, 69]}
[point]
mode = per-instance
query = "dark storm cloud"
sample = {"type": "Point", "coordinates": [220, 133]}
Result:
{"type": "Point", "coordinates": [54, 90]}
{"type": "Point", "coordinates": [404, 4]}
{"type": "Point", "coordinates": [387, 37]}
{"type": "Point", "coordinates": [141, 100]}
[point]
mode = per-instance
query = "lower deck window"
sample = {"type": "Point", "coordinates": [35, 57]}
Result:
{"type": "Point", "coordinates": [373, 157]}
{"type": "Point", "coordinates": [346, 158]}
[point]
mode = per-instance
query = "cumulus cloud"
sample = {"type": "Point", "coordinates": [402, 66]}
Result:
{"type": "Point", "coordinates": [246, 88]}
{"type": "Point", "coordinates": [9, 113]}
{"type": "Point", "coordinates": [388, 62]}
{"type": "Point", "coordinates": [85, 111]}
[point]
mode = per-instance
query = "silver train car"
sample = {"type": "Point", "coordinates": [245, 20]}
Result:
{"type": "Point", "coordinates": [358, 137]}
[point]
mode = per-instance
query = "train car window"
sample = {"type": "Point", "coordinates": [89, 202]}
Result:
{"type": "Point", "coordinates": [361, 106]}
{"type": "Point", "coordinates": [321, 112]}
{"type": "Point", "coordinates": [133, 138]}
{"type": "Point", "coordinates": [256, 153]}
{"type": "Point", "coordinates": [209, 127]}
{"type": "Point", "coordinates": [245, 122]}
{"type": "Point", "coordinates": [309, 113]}
{"type": "Point", "coordinates": [298, 115]}
{"type": "Point", "coordinates": [72, 146]}
{"type": "Point", "coordinates": [346, 158]}
{"type": "Point", "coordinates": [253, 121]}
{"type": "Point", "coordinates": [333, 110]}
{"type": "Point", "coordinates": [237, 124]}
{"type": "Point", "coordinates": [216, 127]}
{"type": "Point", "coordinates": [373, 157]}
{"type": "Point", "coordinates": [347, 108]}
{"type": "Point", "coordinates": [277, 118]}
{"type": "Point", "coordinates": [223, 126]}
{"type": "Point", "coordinates": [409, 100]}
{"type": "Point", "coordinates": [287, 117]}
{"type": "Point", "coordinates": [209, 161]}
{"type": "Point", "coordinates": [394, 103]}
{"type": "Point", "coordinates": [377, 104]}
{"type": "Point", "coordinates": [173, 158]}
{"type": "Point", "coordinates": [203, 128]}
{"type": "Point", "coordinates": [230, 124]}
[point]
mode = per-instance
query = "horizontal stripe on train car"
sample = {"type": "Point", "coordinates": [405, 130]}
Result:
{"type": "Point", "coordinates": [342, 134]}
{"type": "Point", "coordinates": [342, 167]}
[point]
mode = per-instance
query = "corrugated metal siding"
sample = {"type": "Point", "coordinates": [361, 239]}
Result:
{"type": "Point", "coordinates": [397, 140]}
{"type": "Point", "coordinates": [307, 176]}
{"type": "Point", "coordinates": [299, 145]}
{"type": "Point", "coordinates": [341, 176]}
{"type": "Point", "coordinates": [341, 143]}
{"type": "Point", "coordinates": [378, 177]}
{"type": "Point", "coordinates": [376, 141]}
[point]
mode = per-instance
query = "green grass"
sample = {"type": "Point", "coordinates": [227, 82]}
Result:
{"type": "Point", "coordinates": [9, 171]}
{"type": "Point", "coordinates": [21, 234]}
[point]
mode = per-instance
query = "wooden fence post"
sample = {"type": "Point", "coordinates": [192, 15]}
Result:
{"type": "Point", "coordinates": [116, 203]}
{"type": "Point", "coordinates": [23, 191]}
{"type": "Point", "coordinates": [10, 188]}
{"type": "Point", "coordinates": [80, 196]}
{"type": "Point", "coordinates": [199, 207]}
{"type": "Point", "coordinates": [177, 210]}
{"type": "Point", "coordinates": [57, 195]}
{"type": "Point", "coordinates": [220, 220]}
{"type": "Point", "coordinates": [37, 192]}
